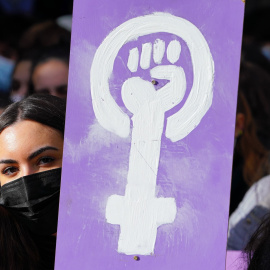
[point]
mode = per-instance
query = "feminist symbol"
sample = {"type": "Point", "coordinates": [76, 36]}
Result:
{"type": "Point", "coordinates": [139, 212]}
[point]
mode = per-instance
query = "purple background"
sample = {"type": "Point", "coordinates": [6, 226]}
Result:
{"type": "Point", "coordinates": [196, 171]}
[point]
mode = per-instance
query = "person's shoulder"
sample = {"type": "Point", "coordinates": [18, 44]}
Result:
{"type": "Point", "coordinates": [257, 195]}
{"type": "Point", "coordinates": [260, 190]}
{"type": "Point", "coordinates": [263, 182]}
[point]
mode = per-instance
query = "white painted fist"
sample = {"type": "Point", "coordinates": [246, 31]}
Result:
{"type": "Point", "coordinates": [137, 92]}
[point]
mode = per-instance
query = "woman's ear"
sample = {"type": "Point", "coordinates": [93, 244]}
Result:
{"type": "Point", "coordinates": [239, 124]}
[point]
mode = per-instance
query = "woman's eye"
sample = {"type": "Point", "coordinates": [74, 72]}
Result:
{"type": "Point", "coordinates": [10, 170]}
{"type": "Point", "coordinates": [45, 160]}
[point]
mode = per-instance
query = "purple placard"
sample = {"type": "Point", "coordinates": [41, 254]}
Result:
{"type": "Point", "coordinates": [155, 157]}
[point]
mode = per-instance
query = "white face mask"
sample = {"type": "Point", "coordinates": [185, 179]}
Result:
{"type": "Point", "coordinates": [6, 69]}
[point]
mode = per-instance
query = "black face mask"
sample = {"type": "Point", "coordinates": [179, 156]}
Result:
{"type": "Point", "coordinates": [34, 200]}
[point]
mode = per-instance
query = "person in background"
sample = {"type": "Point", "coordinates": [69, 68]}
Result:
{"type": "Point", "coordinates": [37, 45]}
{"type": "Point", "coordinates": [245, 220]}
{"type": "Point", "coordinates": [31, 151]}
{"type": "Point", "coordinates": [252, 131]}
{"type": "Point", "coordinates": [43, 35]}
{"type": "Point", "coordinates": [21, 77]}
{"type": "Point", "coordinates": [251, 158]}
{"type": "Point", "coordinates": [50, 72]}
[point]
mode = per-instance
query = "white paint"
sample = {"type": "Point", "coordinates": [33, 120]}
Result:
{"type": "Point", "coordinates": [159, 50]}
{"type": "Point", "coordinates": [173, 51]}
{"type": "Point", "coordinates": [146, 55]}
{"type": "Point", "coordinates": [173, 92]}
{"type": "Point", "coordinates": [139, 213]}
{"type": "Point", "coordinates": [133, 60]}
{"type": "Point", "coordinates": [179, 125]}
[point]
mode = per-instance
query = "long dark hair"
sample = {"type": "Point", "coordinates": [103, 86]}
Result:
{"type": "Point", "coordinates": [18, 250]}
{"type": "Point", "coordinates": [258, 249]}
{"type": "Point", "coordinates": [253, 102]}
{"type": "Point", "coordinates": [44, 109]}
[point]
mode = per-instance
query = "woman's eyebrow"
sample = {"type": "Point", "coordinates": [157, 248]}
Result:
{"type": "Point", "coordinates": [41, 150]}
{"type": "Point", "coordinates": [7, 161]}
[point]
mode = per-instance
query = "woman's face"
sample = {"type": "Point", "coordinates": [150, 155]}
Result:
{"type": "Point", "coordinates": [51, 77]}
{"type": "Point", "coordinates": [20, 80]}
{"type": "Point", "coordinates": [28, 147]}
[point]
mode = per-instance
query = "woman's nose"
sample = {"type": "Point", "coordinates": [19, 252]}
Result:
{"type": "Point", "coordinates": [27, 170]}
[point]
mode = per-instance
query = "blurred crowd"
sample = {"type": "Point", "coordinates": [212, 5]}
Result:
{"type": "Point", "coordinates": [34, 48]}
{"type": "Point", "coordinates": [34, 57]}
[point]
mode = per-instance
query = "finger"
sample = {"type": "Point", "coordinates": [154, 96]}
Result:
{"type": "Point", "coordinates": [159, 50]}
{"type": "Point", "coordinates": [173, 51]}
{"type": "Point", "coordinates": [133, 60]}
{"type": "Point", "coordinates": [146, 55]}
